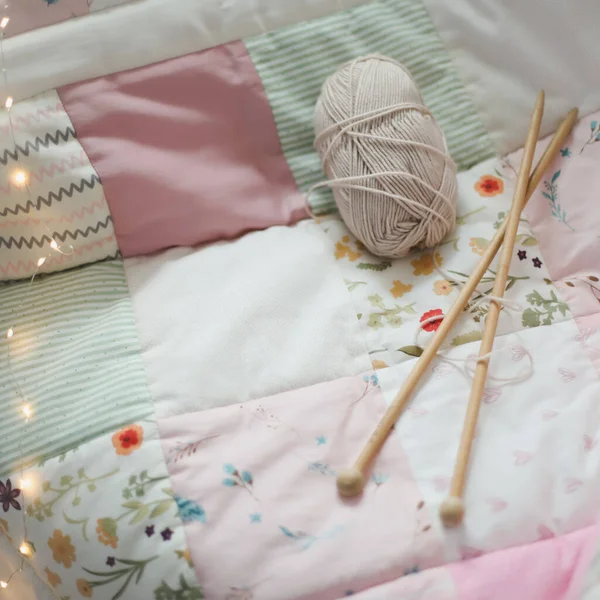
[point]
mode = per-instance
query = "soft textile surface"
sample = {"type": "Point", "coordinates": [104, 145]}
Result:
{"type": "Point", "coordinates": [293, 67]}
{"type": "Point", "coordinates": [224, 308]}
{"type": "Point", "coordinates": [506, 50]}
{"type": "Point", "coordinates": [192, 406]}
{"type": "Point", "coordinates": [75, 350]}
{"type": "Point", "coordinates": [187, 150]}
{"type": "Point", "coordinates": [65, 202]}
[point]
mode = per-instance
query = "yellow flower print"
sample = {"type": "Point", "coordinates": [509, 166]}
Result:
{"type": "Point", "coordinates": [84, 588]}
{"type": "Point", "coordinates": [186, 555]}
{"type": "Point", "coordinates": [379, 364]}
{"type": "Point", "coordinates": [478, 245]}
{"type": "Point", "coordinates": [63, 552]}
{"type": "Point", "coordinates": [442, 287]}
{"type": "Point", "coordinates": [4, 529]}
{"type": "Point", "coordinates": [399, 289]}
{"type": "Point", "coordinates": [53, 578]}
{"type": "Point", "coordinates": [343, 249]}
{"type": "Point", "coordinates": [107, 532]}
{"type": "Point", "coordinates": [424, 265]}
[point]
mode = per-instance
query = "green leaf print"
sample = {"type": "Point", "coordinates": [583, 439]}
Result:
{"type": "Point", "coordinates": [530, 318]}
{"type": "Point", "coordinates": [41, 510]}
{"type": "Point", "coordinates": [382, 266]}
{"type": "Point", "coordinates": [544, 309]}
{"type": "Point", "coordinates": [377, 301]}
{"type": "Point", "coordinates": [387, 316]}
{"type": "Point", "coordinates": [466, 338]}
{"type": "Point", "coordinates": [131, 569]}
{"type": "Point", "coordinates": [411, 350]}
{"type": "Point", "coordinates": [185, 591]}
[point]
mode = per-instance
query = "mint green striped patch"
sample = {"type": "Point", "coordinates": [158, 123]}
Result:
{"type": "Point", "coordinates": [76, 358]}
{"type": "Point", "coordinates": [295, 61]}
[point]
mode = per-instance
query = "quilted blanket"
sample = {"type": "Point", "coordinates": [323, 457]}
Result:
{"type": "Point", "coordinates": [187, 359]}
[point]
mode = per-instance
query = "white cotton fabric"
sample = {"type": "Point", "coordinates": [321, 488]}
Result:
{"type": "Point", "coordinates": [140, 33]}
{"type": "Point", "coordinates": [245, 319]}
{"type": "Point", "coordinates": [533, 471]}
{"type": "Point", "coordinates": [507, 50]}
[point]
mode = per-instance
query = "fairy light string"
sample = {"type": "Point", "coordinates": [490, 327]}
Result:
{"type": "Point", "coordinates": [20, 179]}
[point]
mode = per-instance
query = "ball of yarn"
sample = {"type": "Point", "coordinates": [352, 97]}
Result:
{"type": "Point", "coordinates": [386, 157]}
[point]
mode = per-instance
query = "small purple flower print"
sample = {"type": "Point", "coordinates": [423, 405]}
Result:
{"type": "Point", "coordinates": [537, 263]}
{"type": "Point", "coordinates": [166, 534]}
{"type": "Point", "coordinates": [8, 496]}
{"type": "Point", "coordinates": [522, 254]}
{"type": "Point", "coordinates": [110, 561]}
{"type": "Point", "coordinates": [150, 530]}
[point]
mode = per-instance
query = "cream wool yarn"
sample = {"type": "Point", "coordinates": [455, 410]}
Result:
{"type": "Point", "coordinates": [386, 157]}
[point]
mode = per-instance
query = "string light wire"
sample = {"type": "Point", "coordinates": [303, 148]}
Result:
{"type": "Point", "coordinates": [21, 179]}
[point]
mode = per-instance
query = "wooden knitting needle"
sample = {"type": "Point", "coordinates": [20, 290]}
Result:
{"type": "Point", "coordinates": [452, 508]}
{"type": "Point", "coordinates": [351, 482]}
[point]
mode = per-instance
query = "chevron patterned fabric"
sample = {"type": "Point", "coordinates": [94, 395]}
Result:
{"type": "Point", "coordinates": [67, 202]}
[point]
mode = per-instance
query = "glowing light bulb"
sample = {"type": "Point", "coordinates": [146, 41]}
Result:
{"type": "Point", "coordinates": [27, 411]}
{"type": "Point", "coordinates": [9, 102]}
{"type": "Point", "coordinates": [4, 22]}
{"type": "Point", "coordinates": [53, 245]}
{"type": "Point", "coordinates": [25, 483]}
{"type": "Point", "coordinates": [25, 549]}
{"type": "Point", "coordinates": [3, 585]}
{"type": "Point", "coordinates": [20, 177]}
{"type": "Point", "coordinates": [10, 332]}
{"type": "Point", "coordinates": [41, 261]}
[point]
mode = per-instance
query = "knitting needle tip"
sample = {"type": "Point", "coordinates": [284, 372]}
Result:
{"type": "Point", "coordinates": [452, 511]}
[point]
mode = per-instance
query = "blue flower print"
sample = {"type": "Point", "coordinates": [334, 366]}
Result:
{"type": "Point", "coordinates": [256, 518]}
{"type": "Point", "coordinates": [322, 468]}
{"type": "Point", "coordinates": [306, 540]}
{"type": "Point", "coordinates": [379, 478]}
{"type": "Point", "coordinates": [190, 510]}
{"type": "Point", "coordinates": [594, 136]}
{"type": "Point", "coordinates": [243, 479]}
{"type": "Point", "coordinates": [321, 440]}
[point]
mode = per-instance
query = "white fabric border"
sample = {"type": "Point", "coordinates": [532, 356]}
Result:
{"type": "Point", "coordinates": [141, 33]}
{"type": "Point", "coordinates": [507, 50]}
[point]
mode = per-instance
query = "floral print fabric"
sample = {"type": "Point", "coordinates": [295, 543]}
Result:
{"type": "Point", "coordinates": [104, 522]}
{"type": "Point", "coordinates": [393, 299]}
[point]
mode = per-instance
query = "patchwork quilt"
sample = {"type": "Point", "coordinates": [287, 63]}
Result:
{"type": "Point", "coordinates": [187, 359]}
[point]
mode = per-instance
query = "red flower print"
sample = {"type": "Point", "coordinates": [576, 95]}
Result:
{"type": "Point", "coordinates": [128, 439]}
{"type": "Point", "coordinates": [8, 496]}
{"type": "Point", "coordinates": [434, 324]}
{"type": "Point", "coordinates": [488, 185]}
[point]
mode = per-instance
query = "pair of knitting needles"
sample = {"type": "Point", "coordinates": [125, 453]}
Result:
{"type": "Point", "coordinates": [351, 481]}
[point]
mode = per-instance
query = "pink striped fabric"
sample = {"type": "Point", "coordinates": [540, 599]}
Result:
{"type": "Point", "coordinates": [187, 150]}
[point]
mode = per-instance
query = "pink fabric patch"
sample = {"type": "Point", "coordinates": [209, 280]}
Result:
{"type": "Point", "coordinates": [271, 521]}
{"type": "Point", "coordinates": [565, 219]}
{"type": "Point", "coordinates": [26, 15]}
{"type": "Point", "coordinates": [187, 150]}
{"type": "Point", "coordinates": [546, 570]}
